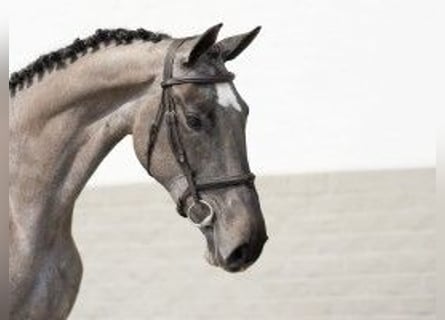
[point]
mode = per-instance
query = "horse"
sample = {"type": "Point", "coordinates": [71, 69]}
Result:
{"type": "Point", "coordinates": [70, 107]}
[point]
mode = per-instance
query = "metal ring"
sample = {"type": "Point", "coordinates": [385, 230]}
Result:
{"type": "Point", "coordinates": [207, 220]}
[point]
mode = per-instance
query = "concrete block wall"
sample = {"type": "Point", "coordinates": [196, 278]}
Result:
{"type": "Point", "coordinates": [350, 246]}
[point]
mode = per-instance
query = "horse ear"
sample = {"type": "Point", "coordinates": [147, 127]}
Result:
{"type": "Point", "coordinates": [204, 42]}
{"type": "Point", "coordinates": [231, 47]}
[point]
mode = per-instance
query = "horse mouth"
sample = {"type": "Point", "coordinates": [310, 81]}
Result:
{"type": "Point", "coordinates": [242, 268]}
{"type": "Point", "coordinates": [213, 260]}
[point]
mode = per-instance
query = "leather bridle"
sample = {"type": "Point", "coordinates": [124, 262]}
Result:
{"type": "Point", "coordinates": [167, 110]}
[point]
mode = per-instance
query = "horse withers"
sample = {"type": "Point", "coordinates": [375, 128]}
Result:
{"type": "Point", "coordinates": [72, 106]}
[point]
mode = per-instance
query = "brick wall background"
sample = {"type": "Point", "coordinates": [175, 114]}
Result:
{"type": "Point", "coordinates": [352, 246]}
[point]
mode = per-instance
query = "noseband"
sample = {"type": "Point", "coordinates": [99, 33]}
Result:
{"type": "Point", "coordinates": [167, 108]}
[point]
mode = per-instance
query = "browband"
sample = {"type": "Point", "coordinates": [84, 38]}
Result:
{"type": "Point", "coordinates": [208, 80]}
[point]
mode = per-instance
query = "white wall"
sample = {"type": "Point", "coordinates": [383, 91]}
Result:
{"type": "Point", "coordinates": [338, 85]}
{"type": "Point", "coordinates": [342, 246]}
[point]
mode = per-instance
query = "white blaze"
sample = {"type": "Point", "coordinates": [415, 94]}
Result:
{"type": "Point", "coordinates": [226, 96]}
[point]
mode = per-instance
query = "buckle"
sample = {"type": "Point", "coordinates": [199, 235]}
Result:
{"type": "Point", "coordinates": [171, 116]}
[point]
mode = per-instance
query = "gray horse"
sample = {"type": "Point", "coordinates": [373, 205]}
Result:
{"type": "Point", "coordinates": [69, 108]}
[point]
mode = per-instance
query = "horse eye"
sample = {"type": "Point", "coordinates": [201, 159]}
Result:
{"type": "Point", "coordinates": [194, 122]}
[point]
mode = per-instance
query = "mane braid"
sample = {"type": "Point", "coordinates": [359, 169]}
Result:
{"type": "Point", "coordinates": [69, 54]}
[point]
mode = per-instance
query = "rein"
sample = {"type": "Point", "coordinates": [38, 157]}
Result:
{"type": "Point", "coordinates": [167, 110]}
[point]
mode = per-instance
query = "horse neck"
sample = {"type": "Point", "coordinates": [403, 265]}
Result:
{"type": "Point", "coordinates": [63, 126]}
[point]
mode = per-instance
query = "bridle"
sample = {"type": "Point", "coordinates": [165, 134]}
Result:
{"type": "Point", "coordinates": [167, 110]}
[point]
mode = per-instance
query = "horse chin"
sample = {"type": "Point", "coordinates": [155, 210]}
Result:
{"type": "Point", "coordinates": [210, 258]}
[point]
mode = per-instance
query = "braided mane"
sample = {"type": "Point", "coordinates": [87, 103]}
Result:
{"type": "Point", "coordinates": [69, 54]}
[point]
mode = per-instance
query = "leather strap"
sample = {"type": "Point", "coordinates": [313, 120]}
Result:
{"type": "Point", "coordinates": [175, 81]}
{"type": "Point", "coordinates": [216, 183]}
{"type": "Point", "coordinates": [167, 110]}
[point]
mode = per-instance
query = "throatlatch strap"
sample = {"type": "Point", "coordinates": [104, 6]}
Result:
{"type": "Point", "coordinates": [167, 72]}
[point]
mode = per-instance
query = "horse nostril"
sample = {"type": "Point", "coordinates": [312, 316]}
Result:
{"type": "Point", "coordinates": [238, 257]}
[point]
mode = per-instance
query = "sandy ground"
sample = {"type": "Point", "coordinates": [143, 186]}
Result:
{"type": "Point", "coordinates": [350, 246]}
